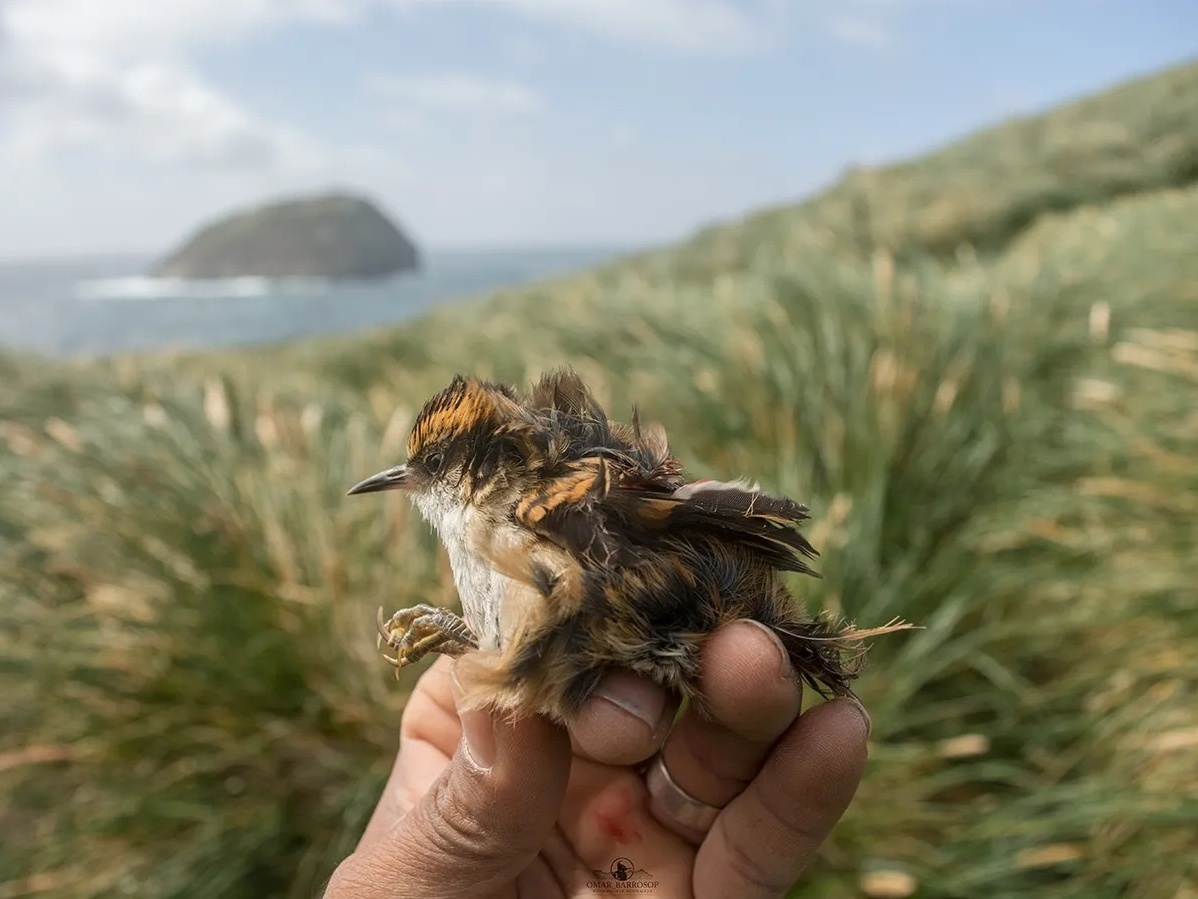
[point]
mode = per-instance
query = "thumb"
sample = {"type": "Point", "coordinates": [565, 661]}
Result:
{"type": "Point", "coordinates": [482, 821]}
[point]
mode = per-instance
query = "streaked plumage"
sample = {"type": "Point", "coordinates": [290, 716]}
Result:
{"type": "Point", "coordinates": [577, 546]}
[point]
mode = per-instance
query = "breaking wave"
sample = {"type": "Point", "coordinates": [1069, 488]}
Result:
{"type": "Point", "coordinates": [141, 287]}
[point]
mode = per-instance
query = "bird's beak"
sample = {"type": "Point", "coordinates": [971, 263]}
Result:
{"type": "Point", "coordinates": [392, 479]}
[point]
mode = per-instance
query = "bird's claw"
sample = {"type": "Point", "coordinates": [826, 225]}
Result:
{"type": "Point", "coordinates": [416, 631]}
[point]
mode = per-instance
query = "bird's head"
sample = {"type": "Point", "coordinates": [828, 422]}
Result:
{"type": "Point", "coordinates": [457, 456]}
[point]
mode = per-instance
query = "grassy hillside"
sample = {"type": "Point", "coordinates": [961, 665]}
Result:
{"type": "Point", "coordinates": [978, 369]}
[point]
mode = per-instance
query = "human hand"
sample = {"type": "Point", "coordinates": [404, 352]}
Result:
{"type": "Point", "coordinates": [480, 805]}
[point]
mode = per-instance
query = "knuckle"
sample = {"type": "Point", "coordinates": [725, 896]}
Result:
{"type": "Point", "coordinates": [802, 830]}
{"type": "Point", "coordinates": [744, 863]}
{"type": "Point", "coordinates": [726, 760]}
{"type": "Point", "coordinates": [453, 827]}
{"type": "Point", "coordinates": [356, 877]}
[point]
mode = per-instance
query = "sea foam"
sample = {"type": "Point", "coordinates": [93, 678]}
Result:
{"type": "Point", "coordinates": [142, 287]}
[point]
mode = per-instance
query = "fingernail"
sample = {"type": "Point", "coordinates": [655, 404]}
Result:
{"type": "Point", "coordinates": [479, 735]}
{"type": "Point", "coordinates": [478, 731]}
{"type": "Point", "coordinates": [635, 696]}
{"type": "Point", "coordinates": [856, 703]}
{"type": "Point", "coordinates": [784, 670]}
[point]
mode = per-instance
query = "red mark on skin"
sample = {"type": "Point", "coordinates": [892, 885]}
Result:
{"type": "Point", "coordinates": [615, 815]}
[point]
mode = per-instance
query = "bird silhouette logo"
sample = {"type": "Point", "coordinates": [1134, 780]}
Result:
{"type": "Point", "coordinates": [622, 870]}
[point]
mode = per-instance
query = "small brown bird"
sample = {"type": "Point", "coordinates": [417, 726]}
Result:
{"type": "Point", "coordinates": [578, 547]}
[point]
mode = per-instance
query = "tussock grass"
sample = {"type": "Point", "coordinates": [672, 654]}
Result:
{"type": "Point", "coordinates": [997, 446]}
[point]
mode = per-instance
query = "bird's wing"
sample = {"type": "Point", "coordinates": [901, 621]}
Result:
{"type": "Point", "coordinates": [739, 513]}
{"type": "Point", "coordinates": [601, 511]}
{"type": "Point", "coordinates": [614, 488]}
{"type": "Point", "coordinates": [571, 511]}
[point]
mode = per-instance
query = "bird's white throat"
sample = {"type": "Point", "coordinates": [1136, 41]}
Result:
{"type": "Point", "coordinates": [480, 587]}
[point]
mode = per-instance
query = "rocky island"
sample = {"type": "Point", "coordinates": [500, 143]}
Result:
{"type": "Point", "coordinates": [335, 236]}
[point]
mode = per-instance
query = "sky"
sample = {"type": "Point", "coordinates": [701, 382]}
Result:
{"type": "Point", "coordinates": [512, 123]}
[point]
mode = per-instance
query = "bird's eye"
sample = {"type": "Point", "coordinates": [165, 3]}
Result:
{"type": "Point", "coordinates": [434, 461]}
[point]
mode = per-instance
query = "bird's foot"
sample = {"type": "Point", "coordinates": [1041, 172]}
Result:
{"type": "Point", "coordinates": [415, 632]}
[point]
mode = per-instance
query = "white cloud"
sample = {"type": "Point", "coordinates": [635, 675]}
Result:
{"type": "Point", "coordinates": [457, 93]}
{"type": "Point", "coordinates": [860, 29]}
{"type": "Point", "coordinates": [133, 29]}
{"type": "Point", "coordinates": [692, 25]}
{"type": "Point", "coordinates": [158, 110]}
{"type": "Point", "coordinates": [113, 76]}
{"type": "Point", "coordinates": [873, 24]}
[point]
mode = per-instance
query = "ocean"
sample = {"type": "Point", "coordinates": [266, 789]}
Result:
{"type": "Point", "coordinates": [104, 306]}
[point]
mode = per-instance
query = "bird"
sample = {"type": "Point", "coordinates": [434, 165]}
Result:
{"type": "Point", "coordinates": [578, 547]}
